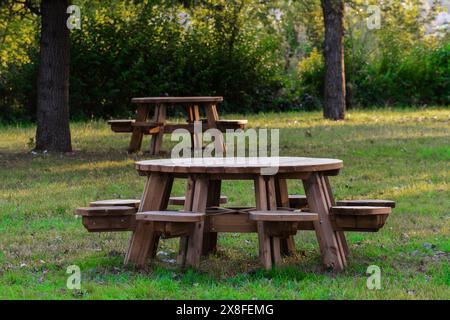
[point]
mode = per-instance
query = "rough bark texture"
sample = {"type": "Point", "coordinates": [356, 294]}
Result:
{"type": "Point", "coordinates": [334, 99]}
{"type": "Point", "coordinates": [53, 132]}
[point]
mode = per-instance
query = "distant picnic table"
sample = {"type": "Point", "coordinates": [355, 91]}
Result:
{"type": "Point", "coordinates": [157, 126]}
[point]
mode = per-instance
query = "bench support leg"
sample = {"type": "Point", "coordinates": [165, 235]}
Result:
{"type": "Point", "coordinates": [195, 242]}
{"type": "Point", "coordinates": [318, 195]}
{"type": "Point", "coordinates": [144, 240]}
{"type": "Point", "coordinates": [137, 135]}
{"type": "Point", "coordinates": [282, 194]}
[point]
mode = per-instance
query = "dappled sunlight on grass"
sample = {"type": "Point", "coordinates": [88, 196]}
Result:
{"type": "Point", "coordinates": [401, 155]}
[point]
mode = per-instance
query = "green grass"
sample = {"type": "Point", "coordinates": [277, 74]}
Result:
{"type": "Point", "coordinates": [402, 155]}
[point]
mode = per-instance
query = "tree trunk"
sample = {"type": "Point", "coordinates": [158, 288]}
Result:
{"type": "Point", "coordinates": [53, 131]}
{"type": "Point", "coordinates": [334, 99]}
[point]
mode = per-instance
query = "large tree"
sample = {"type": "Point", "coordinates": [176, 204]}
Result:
{"type": "Point", "coordinates": [334, 95]}
{"type": "Point", "coordinates": [53, 131]}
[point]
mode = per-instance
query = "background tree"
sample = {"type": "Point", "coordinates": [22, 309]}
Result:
{"type": "Point", "coordinates": [53, 131]}
{"type": "Point", "coordinates": [334, 93]}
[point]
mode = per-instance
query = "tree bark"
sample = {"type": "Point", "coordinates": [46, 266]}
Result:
{"type": "Point", "coordinates": [334, 95]}
{"type": "Point", "coordinates": [53, 131]}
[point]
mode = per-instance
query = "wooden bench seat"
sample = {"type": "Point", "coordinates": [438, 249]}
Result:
{"type": "Point", "coordinates": [367, 203]}
{"type": "Point", "coordinates": [273, 226]}
{"type": "Point", "coordinates": [179, 201]}
{"type": "Point", "coordinates": [147, 127]}
{"type": "Point", "coordinates": [297, 201]}
{"type": "Point", "coordinates": [359, 218]}
{"type": "Point", "coordinates": [176, 201]}
{"type": "Point", "coordinates": [281, 216]}
{"type": "Point", "coordinates": [223, 125]}
{"type": "Point", "coordinates": [169, 224]}
{"type": "Point", "coordinates": [116, 202]}
{"type": "Point", "coordinates": [107, 218]}
{"type": "Point", "coordinates": [124, 125]}
{"type": "Point", "coordinates": [170, 216]}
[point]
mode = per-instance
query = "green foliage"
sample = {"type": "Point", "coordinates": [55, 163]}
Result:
{"type": "Point", "coordinates": [260, 55]}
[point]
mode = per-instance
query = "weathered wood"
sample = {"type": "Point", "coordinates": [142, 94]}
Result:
{"type": "Point", "coordinates": [144, 240]}
{"type": "Point", "coordinates": [137, 135]}
{"type": "Point", "coordinates": [179, 201]}
{"type": "Point", "coordinates": [116, 202]}
{"type": "Point", "coordinates": [280, 216]}
{"type": "Point", "coordinates": [158, 100]}
{"type": "Point", "coordinates": [282, 195]}
{"type": "Point", "coordinates": [297, 201]}
{"type": "Point", "coordinates": [362, 218]}
{"type": "Point", "coordinates": [195, 243]}
{"type": "Point", "coordinates": [105, 211]}
{"type": "Point", "coordinates": [158, 117]}
{"type": "Point", "coordinates": [368, 202]}
{"type": "Point", "coordinates": [213, 200]}
{"type": "Point", "coordinates": [212, 117]}
{"type": "Point", "coordinates": [342, 241]}
{"type": "Point", "coordinates": [237, 165]}
{"type": "Point", "coordinates": [317, 195]}
{"type": "Point", "coordinates": [121, 126]}
{"type": "Point", "coordinates": [189, 198]}
{"type": "Point", "coordinates": [107, 218]}
{"type": "Point", "coordinates": [170, 216]}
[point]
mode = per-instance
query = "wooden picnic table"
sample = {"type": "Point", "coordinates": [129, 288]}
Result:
{"type": "Point", "coordinates": [204, 177]}
{"type": "Point", "coordinates": [157, 126]}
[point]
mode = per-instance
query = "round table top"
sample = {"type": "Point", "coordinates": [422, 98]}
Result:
{"type": "Point", "coordinates": [242, 165]}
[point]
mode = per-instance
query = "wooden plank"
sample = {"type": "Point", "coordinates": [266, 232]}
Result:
{"type": "Point", "coordinates": [264, 246]}
{"type": "Point", "coordinates": [263, 237]}
{"type": "Point", "coordinates": [158, 100]}
{"type": "Point", "coordinates": [212, 117]}
{"type": "Point", "coordinates": [144, 240]}
{"type": "Point", "coordinates": [326, 236]}
{"type": "Point", "coordinates": [189, 199]}
{"type": "Point", "coordinates": [136, 136]}
{"type": "Point", "coordinates": [195, 243]}
{"type": "Point", "coordinates": [282, 194]}
{"type": "Point", "coordinates": [159, 117]}
{"type": "Point", "coordinates": [275, 215]}
{"type": "Point", "coordinates": [360, 210]}
{"type": "Point", "coordinates": [275, 250]}
{"type": "Point", "coordinates": [106, 211]}
{"type": "Point", "coordinates": [170, 216]}
{"type": "Point", "coordinates": [213, 200]}
{"type": "Point", "coordinates": [116, 202]}
{"type": "Point", "coordinates": [367, 202]}
{"type": "Point", "coordinates": [342, 241]}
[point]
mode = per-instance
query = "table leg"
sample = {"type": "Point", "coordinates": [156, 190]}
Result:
{"type": "Point", "coordinates": [210, 238]}
{"type": "Point", "coordinates": [287, 244]}
{"type": "Point", "coordinates": [195, 242]}
{"type": "Point", "coordinates": [318, 196]}
{"type": "Point", "coordinates": [212, 117]}
{"type": "Point", "coordinates": [144, 240]}
{"type": "Point", "coordinates": [137, 135]}
{"type": "Point", "coordinates": [156, 142]}
{"type": "Point", "coordinates": [189, 197]}
{"type": "Point", "coordinates": [340, 234]}
{"type": "Point", "coordinates": [269, 246]}
{"type": "Point", "coordinates": [196, 138]}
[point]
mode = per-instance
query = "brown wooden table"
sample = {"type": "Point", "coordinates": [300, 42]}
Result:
{"type": "Point", "coordinates": [158, 126]}
{"type": "Point", "coordinates": [204, 177]}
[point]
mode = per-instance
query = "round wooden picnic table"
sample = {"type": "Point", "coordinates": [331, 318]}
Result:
{"type": "Point", "coordinates": [204, 177]}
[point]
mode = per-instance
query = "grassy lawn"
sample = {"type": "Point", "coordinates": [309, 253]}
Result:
{"type": "Point", "coordinates": [402, 155]}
